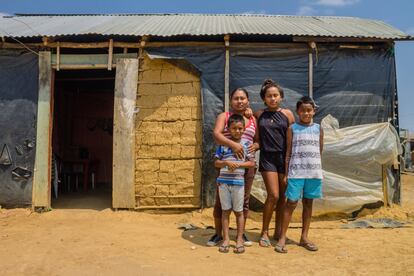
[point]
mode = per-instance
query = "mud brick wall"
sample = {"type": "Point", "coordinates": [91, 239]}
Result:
{"type": "Point", "coordinates": [168, 134]}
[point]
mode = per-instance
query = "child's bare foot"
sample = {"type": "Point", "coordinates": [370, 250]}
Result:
{"type": "Point", "coordinates": [224, 247]}
{"type": "Point", "coordinates": [239, 246]}
{"type": "Point", "coordinates": [306, 243]}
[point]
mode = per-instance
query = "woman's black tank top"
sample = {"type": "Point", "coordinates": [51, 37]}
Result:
{"type": "Point", "coordinates": [272, 130]}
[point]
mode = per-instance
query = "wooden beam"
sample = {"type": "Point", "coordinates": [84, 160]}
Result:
{"type": "Point", "coordinates": [337, 39]}
{"type": "Point", "coordinates": [360, 47]}
{"type": "Point", "coordinates": [123, 174]}
{"type": "Point", "coordinates": [227, 74]}
{"type": "Point", "coordinates": [72, 62]}
{"type": "Point", "coordinates": [42, 176]}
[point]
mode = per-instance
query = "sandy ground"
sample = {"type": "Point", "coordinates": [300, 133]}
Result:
{"type": "Point", "coordinates": [99, 241]}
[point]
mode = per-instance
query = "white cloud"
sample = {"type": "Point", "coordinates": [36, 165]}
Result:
{"type": "Point", "coordinates": [4, 14]}
{"type": "Point", "coordinates": [255, 12]}
{"type": "Point", "coordinates": [410, 31]}
{"type": "Point", "coordinates": [306, 10]}
{"type": "Point", "coordinates": [336, 3]}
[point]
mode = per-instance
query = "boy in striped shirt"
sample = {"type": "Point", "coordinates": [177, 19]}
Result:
{"type": "Point", "coordinates": [231, 182]}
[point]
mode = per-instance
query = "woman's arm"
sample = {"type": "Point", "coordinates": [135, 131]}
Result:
{"type": "Point", "coordinates": [288, 149]}
{"type": "Point", "coordinates": [222, 140]}
{"type": "Point", "coordinates": [289, 115]}
{"type": "Point", "coordinates": [256, 144]}
{"type": "Point", "coordinates": [247, 164]}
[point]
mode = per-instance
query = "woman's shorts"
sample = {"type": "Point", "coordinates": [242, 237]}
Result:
{"type": "Point", "coordinates": [272, 162]}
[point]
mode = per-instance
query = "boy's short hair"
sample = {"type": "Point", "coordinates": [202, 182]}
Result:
{"type": "Point", "coordinates": [305, 100]}
{"type": "Point", "coordinates": [235, 118]}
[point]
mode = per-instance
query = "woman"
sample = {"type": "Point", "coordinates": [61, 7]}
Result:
{"type": "Point", "coordinates": [239, 102]}
{"type": "Point", "coordinates": [273, 122]}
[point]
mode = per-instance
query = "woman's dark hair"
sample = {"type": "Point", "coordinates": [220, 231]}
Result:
{"type": "Point", "coordinates": [270, 83]}
{"type": "Point", "coordinates": [239, 89]}
{"type": "Point", "coordinates": [235, 118]}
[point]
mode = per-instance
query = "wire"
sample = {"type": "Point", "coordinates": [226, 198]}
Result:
{"type": "Point", "coordinates": [18, 41]}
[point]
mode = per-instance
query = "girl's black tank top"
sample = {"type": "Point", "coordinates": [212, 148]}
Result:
{"type": "Point", "coordinates": [272, 130]}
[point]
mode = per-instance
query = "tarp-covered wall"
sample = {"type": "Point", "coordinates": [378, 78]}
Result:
{"type": "Point", "coordinates": [18, 108]}
{"type": "Point", "coordinates": [356, 86]}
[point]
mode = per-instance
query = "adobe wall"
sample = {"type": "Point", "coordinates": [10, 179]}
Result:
{"type": "Point", "coordinates": [168, 135]}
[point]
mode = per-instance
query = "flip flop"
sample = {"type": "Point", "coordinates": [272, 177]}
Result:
{"type": "Point", "coordinates": [239, 249]}
{"type": "Point", "coordinates": [309, 246]}
{"type": "Point", "coordinates": [264, 242]}
{"type": "Point", "coordinates": [224, 248]}
{"type": "Point", "coordinates": [281, 249]}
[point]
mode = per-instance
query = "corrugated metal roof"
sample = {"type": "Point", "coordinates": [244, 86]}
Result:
{"type": "Point", "coordinates": [166, 25]}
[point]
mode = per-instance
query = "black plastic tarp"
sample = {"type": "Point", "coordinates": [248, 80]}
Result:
{"type": "Point", "coordinates": [18, 108]}
{"type": "Point", "coordinates": [356, 86]}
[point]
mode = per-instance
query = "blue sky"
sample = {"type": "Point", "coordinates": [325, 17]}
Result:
{"type": "Point", "coordinates": [398, 13]}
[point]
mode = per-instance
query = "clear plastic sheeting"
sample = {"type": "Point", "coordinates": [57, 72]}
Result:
{"type": "Point", "coordinates": [352, 161]}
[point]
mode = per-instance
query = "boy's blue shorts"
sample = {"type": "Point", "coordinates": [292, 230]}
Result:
{"type": "Point", "coordinates": [308, 187]}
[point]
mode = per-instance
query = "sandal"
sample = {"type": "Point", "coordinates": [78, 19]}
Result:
{"type": "Point", "coordinates": [281, 249]}
{"type": "Point", "coordinates": [264, 242]}
{"type": "Point", "coordinates": [239, 249]}
{"type": "Point", "coordinates": [224, 248]}
{"type": "Point", "coordinates": [309, 246]}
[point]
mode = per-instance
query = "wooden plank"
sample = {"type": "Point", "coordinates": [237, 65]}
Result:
{"type": "Point", "coordinates": [95, 59]}
{"type": "Point", "coordinates": [123, 181]}
{"type": "Point", "coordinates": [41, 176]}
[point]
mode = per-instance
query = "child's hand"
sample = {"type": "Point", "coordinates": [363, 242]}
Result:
{"type": "Point", "coordinates": [248, 113]}
{"type": "Point", "coordinates": [232, 165]}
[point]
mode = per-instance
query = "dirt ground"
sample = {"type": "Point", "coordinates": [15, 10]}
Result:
{"type": "Point", "coordinates": [99, 241]}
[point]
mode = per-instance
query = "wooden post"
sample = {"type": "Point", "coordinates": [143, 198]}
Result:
{"type": "Point", "coordinates": [226, 74]}
{"type": "Point", "coordinates": [42, 176]}
{"type": "Point", "coordinates": [123, 182]}
{"type": "Point", "coordinates": [110, 54]}
{"type": "Point", "coordinates": [58, 57]}
{"type": "Point", "coordinates": [385, 185]}
{"type": "Point", "coordinates": [312, 46]}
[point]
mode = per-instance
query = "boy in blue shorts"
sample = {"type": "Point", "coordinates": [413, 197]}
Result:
{"type": "Point", "coordinates": [304, 142]}
{"type": "Point", "coordinates": [231, 183]}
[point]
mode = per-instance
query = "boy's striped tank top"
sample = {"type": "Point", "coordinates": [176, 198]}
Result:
{"type": "Point", "coordinates": [249, 132]}
{"type": "Point", "coordinates": [305, 161]}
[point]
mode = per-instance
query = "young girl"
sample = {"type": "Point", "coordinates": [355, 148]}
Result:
{"type": "Point", "coordinates": [304, 170]}
{"type": "Point", "coordinates": [273, 123]}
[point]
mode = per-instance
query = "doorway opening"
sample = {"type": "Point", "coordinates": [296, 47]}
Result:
{"type": "Point", "coordinates": [82, 139]}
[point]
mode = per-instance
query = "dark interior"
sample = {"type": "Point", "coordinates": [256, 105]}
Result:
{"type": "Point", "coordinates": [82, 139]}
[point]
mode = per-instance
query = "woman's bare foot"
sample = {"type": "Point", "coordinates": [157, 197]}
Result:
{"type": "Point", "coordinates": [264, 240]}
{"type": "Point", "coordinates": [307, 244]}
